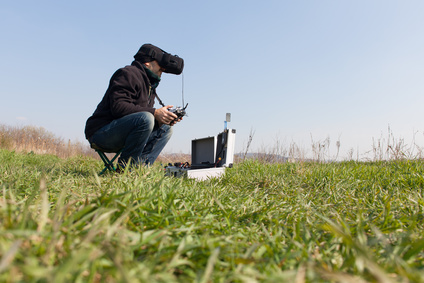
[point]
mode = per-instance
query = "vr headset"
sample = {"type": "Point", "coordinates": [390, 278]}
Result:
{"type": "Point", "coordinates": [171, 64]}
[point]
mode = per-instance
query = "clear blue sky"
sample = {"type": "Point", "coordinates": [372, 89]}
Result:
{"type": "Point", "coordinates": [291, 71]}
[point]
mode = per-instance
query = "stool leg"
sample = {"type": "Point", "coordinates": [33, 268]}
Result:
{"type": "Point", "coordinates": [108, 163]}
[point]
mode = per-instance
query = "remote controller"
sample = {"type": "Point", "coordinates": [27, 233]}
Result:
{"type": "Point", "coordinates": [179, 111]}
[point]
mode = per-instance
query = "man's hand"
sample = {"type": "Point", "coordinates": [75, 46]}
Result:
{"type": "Point", "coordinates": [164, 116]}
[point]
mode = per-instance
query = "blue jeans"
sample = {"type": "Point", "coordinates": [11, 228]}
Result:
{"type": "Point", "coordinates": [140, 137]}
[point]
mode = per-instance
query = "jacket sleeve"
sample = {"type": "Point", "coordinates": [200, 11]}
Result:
{"type": "Point", "coordinates": [129, 93]}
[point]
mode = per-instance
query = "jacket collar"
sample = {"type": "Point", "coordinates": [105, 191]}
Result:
{"type": "Point", "coordinates": [153, 78]}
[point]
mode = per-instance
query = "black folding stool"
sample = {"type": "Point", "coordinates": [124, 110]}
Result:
{"type": "Point", "coordinates": [107, 162]}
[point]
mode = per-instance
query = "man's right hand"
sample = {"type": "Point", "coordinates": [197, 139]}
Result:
{"type": "Point", "coordinates": [164, 116]}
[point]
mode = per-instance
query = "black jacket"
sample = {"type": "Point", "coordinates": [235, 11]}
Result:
{"type": "Point", "coordinates": [129, 92]}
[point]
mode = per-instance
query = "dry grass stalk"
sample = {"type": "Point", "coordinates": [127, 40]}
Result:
{"type": "Point", "coordinates": [40, 141]}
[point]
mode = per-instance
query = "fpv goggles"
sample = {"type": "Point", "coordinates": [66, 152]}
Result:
{"type": "Point", "coordinates": [170, 63]}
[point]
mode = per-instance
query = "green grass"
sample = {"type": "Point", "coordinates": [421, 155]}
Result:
{"type": "Point", "coordinates": [292, 222]}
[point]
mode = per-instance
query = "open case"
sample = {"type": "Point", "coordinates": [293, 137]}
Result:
{"type": "Point", "coordinates": [209, 157]}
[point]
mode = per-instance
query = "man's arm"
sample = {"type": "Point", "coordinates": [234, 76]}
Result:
{"type": "Point", "coordinates": [128, 94]}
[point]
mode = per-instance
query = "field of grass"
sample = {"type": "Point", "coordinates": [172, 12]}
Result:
{"type": "Point", "coordinates": [291, 222]}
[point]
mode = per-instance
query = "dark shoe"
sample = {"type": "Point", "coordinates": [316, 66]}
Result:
{"type": "Point", "coordinates": [120, 169]}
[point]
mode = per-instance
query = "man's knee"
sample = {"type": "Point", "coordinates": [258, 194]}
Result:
{"type": "Point", "coordinates": [145, 120]}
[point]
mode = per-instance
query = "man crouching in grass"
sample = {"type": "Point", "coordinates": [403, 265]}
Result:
{"type": "Point", "coordinates": [126, 118]}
